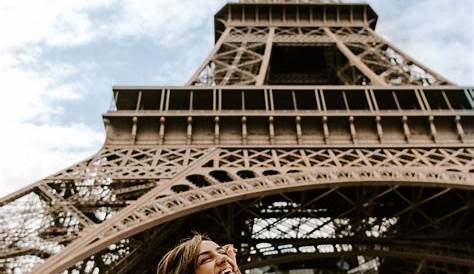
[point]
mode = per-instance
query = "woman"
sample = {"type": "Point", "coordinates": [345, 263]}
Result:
{"type": "Point", "coordinates": [199, 255]}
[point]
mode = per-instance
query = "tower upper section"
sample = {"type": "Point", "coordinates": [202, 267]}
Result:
{"type": "Point", "coordinates": [306, 73]}
{"type": "Point", "coordinates": [294, 13]}
{"type": "Point", "coordinates": [305, 42]}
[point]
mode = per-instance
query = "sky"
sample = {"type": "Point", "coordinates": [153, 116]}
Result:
{"type": "Point", "coordinates": [60, 58]}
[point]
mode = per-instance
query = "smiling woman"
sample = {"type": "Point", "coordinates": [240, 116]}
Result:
{"type": "Point", "coordinates": [199, 255]}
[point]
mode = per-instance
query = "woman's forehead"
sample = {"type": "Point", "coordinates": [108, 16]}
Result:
{"type": "Point", "coordinates": [208, 246]}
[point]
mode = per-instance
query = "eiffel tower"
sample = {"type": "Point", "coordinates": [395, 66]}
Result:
{"type": "Point", "coordinates": [307, 140]}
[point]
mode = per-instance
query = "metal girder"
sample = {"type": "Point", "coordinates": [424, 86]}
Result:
{"type": "Point", "coordinates": [183, 195]}
{"type": "Point", "coordinates": [84, 243]}
{"type": "Point", "coordinates": [262, 74]}
{"type": "Point", "coordinates": [333, 162]}
{"type": "Point", "coordinates": [354, 60]}
{"type": "Point", "coordinates": [56, 210]}
{"type": "Point", "coordinates": [249, 171]}
{"type": "Point", "coordinates": [304, 116]}
{"type": "Point", "coordinates": [374, 57]}
{"type": "Point", "coordinates": [312, 167]}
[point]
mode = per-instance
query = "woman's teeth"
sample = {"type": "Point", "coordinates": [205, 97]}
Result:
{"type": "Point", "coordinates": [227, 271]}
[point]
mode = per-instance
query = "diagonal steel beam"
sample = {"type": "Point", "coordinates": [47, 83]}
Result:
{"type": "Point", "coordinates": [67, 206]}
{"type": "Point", "coordinates": [79, 249]}
{"type": "Point", "coordinates": [355, 60]}
{"type": "Point", "coordinates": [264, 67]}
{"type": "Point", "coordinates": [411, 60]}
{"type": "Point", "coordinates": [206, 62]}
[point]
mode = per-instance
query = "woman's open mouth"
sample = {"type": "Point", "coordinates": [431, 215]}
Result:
{"type": "Point", "coordinates": [227, 271]}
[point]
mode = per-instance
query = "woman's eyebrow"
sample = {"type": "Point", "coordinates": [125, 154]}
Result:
{"type": "Point", "coordinates": [219, 248]}
{"type": "Point", "coordinates": [204, 253]}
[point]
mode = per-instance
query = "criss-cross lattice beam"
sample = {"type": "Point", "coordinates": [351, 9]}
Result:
{"type": "Point", "coordinates": [37, 222]}
{"type": "Point", "coordinates": [447, 167]}
{"type": "Point", "coordinates": [236, 62]}
{"type": "Point", "coordinates": [367, 53]}
{"type": "Point", "coordinates": [97, 233]}
{"type": "Point", "coordinates": [151, 214]}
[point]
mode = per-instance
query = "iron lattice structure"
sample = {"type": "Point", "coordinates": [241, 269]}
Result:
{"type": "Point", "coordinates": [304, 138]}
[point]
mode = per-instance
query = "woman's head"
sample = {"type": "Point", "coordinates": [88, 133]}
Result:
{"type": "Point", "coordinates": [199, 255]}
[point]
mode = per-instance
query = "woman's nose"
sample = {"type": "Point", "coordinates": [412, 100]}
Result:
{"type": "Point", "coordinates": [221, 258]}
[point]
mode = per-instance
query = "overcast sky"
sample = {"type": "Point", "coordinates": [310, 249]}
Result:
{"type": "Point", "coordinates": [59, 59]}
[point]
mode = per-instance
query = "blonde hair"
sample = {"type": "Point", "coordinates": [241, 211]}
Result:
{"type": "Point", "coordinates": [183, 258]}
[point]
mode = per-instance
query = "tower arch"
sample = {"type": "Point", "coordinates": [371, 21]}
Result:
{"type": "Point", "coordinates": [304, 137]}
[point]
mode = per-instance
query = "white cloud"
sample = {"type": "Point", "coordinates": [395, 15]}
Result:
{"type": "Point", "coordinates": [31, 152]}
{"type": "Point", "coordinates": [28, 94]}
{"type": "Point", "coordinates": [69, 22]}
{"type": "Point", "coordinates": [168, 23]}
{"type": "Point", "coordinates": [437, 33]}
{"type": "Point", "coordinates": [32, 144]}
{"type": "Point", "coordinates": [59, 22]}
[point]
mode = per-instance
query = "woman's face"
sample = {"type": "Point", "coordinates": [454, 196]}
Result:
{"type": "Point", "coordinates": [215, 259]}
